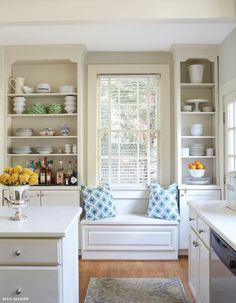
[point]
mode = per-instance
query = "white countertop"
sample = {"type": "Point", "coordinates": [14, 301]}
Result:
{"type": "Point", "coordinates": [43, 222]}
{"type": "Point", "coordinates": [219, 217]}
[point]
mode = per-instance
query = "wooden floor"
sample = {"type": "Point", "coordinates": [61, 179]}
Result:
{"type": "Point", "coordinates": [137, 269]}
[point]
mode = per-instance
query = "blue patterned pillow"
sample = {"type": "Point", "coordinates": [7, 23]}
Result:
{"type": "Point", "coordinates": [98, 202]}
{"type": "Point", "coordinates": [163, 202]}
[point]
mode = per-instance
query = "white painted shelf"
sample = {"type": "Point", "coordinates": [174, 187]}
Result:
{"type": "Point", "coordinates": [202, 157]}
{"type": "Point", "coordinates": [197, 113]}
{"type": "Point", "coordinates": [41, 137]}
{"type": "Point", "coordinates": [197, 85]}
{"type": "Point", "coordinates": [40, 95]}
{"type": "Point", "coordinates": [198, 137]}
{"type": "Point", "coordinates": [41, 115]}
{"type": "Point", "coordinates": [42, 155]}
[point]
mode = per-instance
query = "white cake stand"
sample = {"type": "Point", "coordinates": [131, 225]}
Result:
{"type": "Point", "coordinates": [196, 102]}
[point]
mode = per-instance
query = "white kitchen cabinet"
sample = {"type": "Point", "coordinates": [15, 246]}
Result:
{"type": "Point", "coordinates": [49, 197]}
{"type": "Point", "coordinates": [186, 195]}
{"type": "Point", "coordinates": [60, 198]}
{"type": "Point", "coordinates": [35, 197]}
{"type": "Point", "coordinates": [199, 260]}
{"type": "Point", "coordinates": [193, 264]}
{"type": "Point", "coordinates": [39, 259]}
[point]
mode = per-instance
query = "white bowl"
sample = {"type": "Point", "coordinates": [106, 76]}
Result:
{"type": "Point", "coordinates": [187, 108]}
{"type": "Point", "coordinates": [27, 90]}
{"type": "Point", "coordinates": [67, 89]}
{"type": "Point", "coordinates": [196, 129]}
{"type": "Point", "coordinates": [196, 73]}
{"type": "Point", "coordinates": [207, 109]}
{"type": "Point", "coordinates": [197, 173]}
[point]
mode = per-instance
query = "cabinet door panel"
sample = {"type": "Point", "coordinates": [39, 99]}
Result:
{"type": "Point", "coordinates": [201, 196]}
{"type": "Point", "coordinates": [34, 194]}
{"type": "Point", "coordinates": [60, 198]}
{"type": "Point", "coordinates": [193, 264]}
{"type": "Point", "coordinates": [31, 284]}
{"type": "Point", "coordinates": [204, 274]}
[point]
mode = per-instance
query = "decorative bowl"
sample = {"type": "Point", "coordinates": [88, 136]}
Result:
{"type": "Point", "coordinates": [27, 90]}
{"type": "Point", "coordinates": [197, 173]}
{"type": "Point", "coordinates": [47, 132]}
{"type": "Point", "coordinates": [55, 108]}
{"type": "Point", "coordinates": [36, 108]}
{"type": "Point", "coordinates": [65, 130]}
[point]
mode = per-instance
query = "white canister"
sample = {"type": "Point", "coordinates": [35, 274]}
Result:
{"type": "Point", "coordinates": [210, 152]}
{"type": "Point", "coordinates": [196, 73]}
{"type": "Point", "coordinates": [185, 151]}
{"type": "Point", "coordinates": [196, 129]}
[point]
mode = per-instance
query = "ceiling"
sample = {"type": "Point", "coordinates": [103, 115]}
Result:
{"type": "Point", "coordinates": [120, 36]}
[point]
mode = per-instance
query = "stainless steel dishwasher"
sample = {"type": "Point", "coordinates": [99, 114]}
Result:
{"type": "Point", "coordinates": [223, 271]}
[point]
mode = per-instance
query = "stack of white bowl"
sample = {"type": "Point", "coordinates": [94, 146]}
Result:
{"type": "Point", "coordinates": [70, 104]}
{"type": "Point", "coordinates": [197, 149]}
{"type": "Point", "coordinates": [22, 150]}
{"type": "Point", "coordinates": [19, 105]}
{"type": "Point", "coordinates": [24, 132]}
{"type": "Point", "coordinates": [44, 149]}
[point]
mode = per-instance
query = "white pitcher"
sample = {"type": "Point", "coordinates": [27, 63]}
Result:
{"type": "Point", "coordinates": [17, 85]}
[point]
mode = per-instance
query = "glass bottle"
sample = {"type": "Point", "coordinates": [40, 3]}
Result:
{"type": "Point", "coordinates": [49, 173]}
{"type": "Point", "coordinates": [74, 177]}
{"type": "Point", "coordinates": [60, 174]}
{"type": "Point", "coordinates": [37, 170]}
{"type": "Point", "coordinates": [42, 176]}
{"type": "Point", "coordinates": [31, 165]}
{"type": "Point", "coordinates": [68, 174]}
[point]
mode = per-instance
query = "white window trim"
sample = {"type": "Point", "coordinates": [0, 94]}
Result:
{"type": "Point", "coordinates": [165, 152]}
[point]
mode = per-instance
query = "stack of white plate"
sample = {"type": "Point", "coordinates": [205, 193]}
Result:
{"type": "Point", "coordinates": [24, 132]}
{"type": "Point", "coordinates": [69, 104]}
{"type": "Point", "coordinates": [22, 150]}
{"type": "Point", "coordinates": [198, 181]}
{"type": "Point", "coordinates": [44, 149]}
{"type": "Point", "coordinates": [197, 149]}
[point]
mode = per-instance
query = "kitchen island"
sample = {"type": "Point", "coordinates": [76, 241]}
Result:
{"type": "Point", "coordinates": [39, 257]}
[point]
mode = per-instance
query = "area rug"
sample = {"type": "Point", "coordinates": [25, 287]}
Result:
{"type": "Point", "coordinates": [135, 290]}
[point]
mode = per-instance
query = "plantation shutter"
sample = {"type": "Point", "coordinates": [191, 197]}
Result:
{"type": "Point", "coordinates": [128, 129]}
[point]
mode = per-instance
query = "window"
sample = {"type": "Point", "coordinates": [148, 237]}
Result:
{"type": "Point", "coordinates": [128, 129]}
{"type": "Point", "coordinates": [230, 133]}
{"type": "Point", "coordinates": [128, 139]}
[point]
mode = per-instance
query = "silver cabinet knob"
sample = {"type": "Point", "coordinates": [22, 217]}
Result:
{"type": "Point", "coordinates": [18, 291]}
{"type": "Point", "coordinates": [18, 253]}
{"type": "Point", "coordinates": [195, 243]}
{"type": "Point", "coordinates": [191, 219]}
{"type": "Point", "coordinates": [38, 195]}
{"type": "Point", "coordinates": [200, 231]}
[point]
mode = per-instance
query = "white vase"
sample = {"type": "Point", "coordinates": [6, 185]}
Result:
{"type": "Point", "coordinates": [196, 73]}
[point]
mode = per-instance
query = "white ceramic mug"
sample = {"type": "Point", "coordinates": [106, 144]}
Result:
{"type": "Point", "coordinates": [18, 84]}
{"type": "Point", "coordinates": [196, 129]}
{"type": "Point", "coordinates": [185, 151]}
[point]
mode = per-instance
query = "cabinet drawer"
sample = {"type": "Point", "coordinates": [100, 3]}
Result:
{"type": "Point", "coordinates": [120, 238]}
{"type": "Point", "coordinates": [193, 219]}
{"type": "Point", "coordinates": [203, 232]}
{"type": "Point", "coordinates": [30, 284]}
{"type": "Point", "coordinates": [30, 252]}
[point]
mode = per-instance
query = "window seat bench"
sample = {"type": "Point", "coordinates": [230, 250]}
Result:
{"type": "Point", "coordinates": [129, 236]}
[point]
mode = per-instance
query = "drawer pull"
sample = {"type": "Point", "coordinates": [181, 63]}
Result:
{"type": "Point", "coordinates": [195, 244]}
{"type": "Point", "coordinates": [18, 253]}
{"type": "Point", "coordinates": [191, 219]}
{"type": "Point", "coordinates": [200, 231]}
{"type": "Point", "coordinates": [18, 291]}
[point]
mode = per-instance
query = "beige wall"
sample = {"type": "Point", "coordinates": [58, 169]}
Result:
{"type": "Point", "coordinates": [227, 53]}
{"type": "Point", "coordinates": [51, 11]}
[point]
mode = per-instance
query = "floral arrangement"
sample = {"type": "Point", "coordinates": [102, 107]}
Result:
{"type": "Point", "coordinates": [18, 175]}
